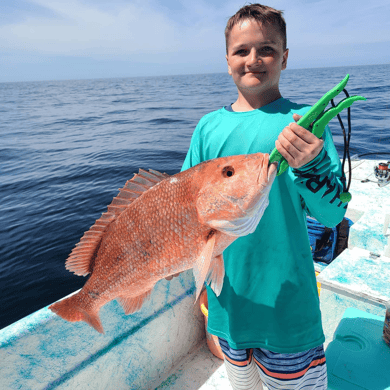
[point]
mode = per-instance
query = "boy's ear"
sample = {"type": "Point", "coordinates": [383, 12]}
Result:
{"type": "Point", "coordinates": [284, 61]}
{"type": "Point", "coordinates": [229, 69]}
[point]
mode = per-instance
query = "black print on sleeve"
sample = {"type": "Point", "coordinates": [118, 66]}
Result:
{"type": "Point", "coordinates": [316, 182]}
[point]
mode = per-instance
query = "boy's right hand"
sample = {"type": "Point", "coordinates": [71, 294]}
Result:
{"type": "Point", "coordinates": [298, 145]}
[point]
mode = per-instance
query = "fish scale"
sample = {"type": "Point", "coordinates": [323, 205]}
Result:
{"type": "Point", "coordinates": [160, 225]}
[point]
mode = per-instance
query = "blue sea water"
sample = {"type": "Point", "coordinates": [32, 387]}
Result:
{"type": "Point", "coordinates": [67, 146]}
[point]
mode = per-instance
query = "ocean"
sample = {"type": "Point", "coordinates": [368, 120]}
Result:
{"type": "Point", "coordinates": [67, 146]}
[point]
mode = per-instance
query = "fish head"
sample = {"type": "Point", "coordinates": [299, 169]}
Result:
{"type": "Point", "coordinates": [234, 192]}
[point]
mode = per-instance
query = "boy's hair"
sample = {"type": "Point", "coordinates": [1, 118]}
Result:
{"type": "Point", "coordinates": [260, 13]}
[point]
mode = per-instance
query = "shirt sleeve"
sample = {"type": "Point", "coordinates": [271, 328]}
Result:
{"type": "Point", "coordinates": [320, 183]}
{"type": "Point", "coordinates": [193, 155]}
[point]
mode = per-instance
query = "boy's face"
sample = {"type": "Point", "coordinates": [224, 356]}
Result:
{"type": "Point", "coordinates": [256, 57]}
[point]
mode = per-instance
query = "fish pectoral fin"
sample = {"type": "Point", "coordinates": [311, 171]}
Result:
{"type": "Point", "coordinates": [202, 265]}
{"type": "Point", "coordinates": [216, 274]}
{"type": "Point", "coordinates": [133, 304]}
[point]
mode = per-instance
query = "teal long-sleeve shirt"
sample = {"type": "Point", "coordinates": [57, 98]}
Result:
{"type": "Point", "coordinates": [269, 297]}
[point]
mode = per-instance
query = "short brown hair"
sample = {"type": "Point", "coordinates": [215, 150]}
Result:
{"type": "Point", "coordinates": [262, 14]}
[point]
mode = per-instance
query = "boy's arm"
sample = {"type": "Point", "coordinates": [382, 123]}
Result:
{"type": "Point", "coordinates": [317, 171]}
{"type": "Point", "coordinates": [320, 184]}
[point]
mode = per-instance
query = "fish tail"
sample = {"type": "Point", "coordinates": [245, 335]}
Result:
{"type": "Point", "coordinates": [69, 309]}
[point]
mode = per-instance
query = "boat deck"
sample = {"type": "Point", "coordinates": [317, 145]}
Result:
{"type": "Point", "coordinates": [163, 346]}
{"type": "Point", "coordinates": [200, 370]}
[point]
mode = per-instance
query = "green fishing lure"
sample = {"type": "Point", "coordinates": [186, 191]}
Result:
{"type": "Point", "coordinates": [315, 121]}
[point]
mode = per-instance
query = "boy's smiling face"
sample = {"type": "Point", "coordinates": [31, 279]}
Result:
{"type": "Point", "coordinates": [256, 56]}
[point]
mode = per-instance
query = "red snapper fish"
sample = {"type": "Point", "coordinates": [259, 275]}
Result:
{"type": "Point", "coordinates": [160, 225]}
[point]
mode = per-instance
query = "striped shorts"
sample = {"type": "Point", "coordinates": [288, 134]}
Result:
{"type": "Point", "coordinates": [252, 368]}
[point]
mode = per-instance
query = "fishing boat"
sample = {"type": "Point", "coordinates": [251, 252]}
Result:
{"type": "Point", "coordinates": [164, 345]}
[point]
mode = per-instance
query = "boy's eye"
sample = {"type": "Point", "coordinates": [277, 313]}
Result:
{"type": "Point", "coordinates": [263, 50]}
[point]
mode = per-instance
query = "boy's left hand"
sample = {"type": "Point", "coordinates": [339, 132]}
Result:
{"type": "Point", "coordinates": [298, 145]}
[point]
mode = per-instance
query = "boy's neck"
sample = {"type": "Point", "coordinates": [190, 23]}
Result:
{"type": "Point", "coordinates": [247, 102]}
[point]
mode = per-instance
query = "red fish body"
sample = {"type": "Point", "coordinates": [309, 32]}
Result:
{"type": "Point", "coordinates": [159, 225]}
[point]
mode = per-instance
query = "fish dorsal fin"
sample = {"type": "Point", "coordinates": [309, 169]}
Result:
{"type": "Point", "coordinates": [82, 257]}
{"type": "Point", "coordinates": [202, 264]}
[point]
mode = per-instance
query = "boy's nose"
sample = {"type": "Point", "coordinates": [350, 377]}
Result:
{"type": "Point", "coordinates": [254, 58]}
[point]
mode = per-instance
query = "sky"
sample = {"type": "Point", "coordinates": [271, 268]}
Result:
{"type": "Point", "coordinates": [84, 39]}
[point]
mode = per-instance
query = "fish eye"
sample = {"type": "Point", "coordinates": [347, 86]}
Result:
{"type": "Point", "coordinates": [228, 171]}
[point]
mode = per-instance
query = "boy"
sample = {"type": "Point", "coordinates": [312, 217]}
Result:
{"type": "Point", "coordinates": [267, 316]}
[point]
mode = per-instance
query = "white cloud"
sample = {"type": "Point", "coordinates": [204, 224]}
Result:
{"type": "Point", "coordinates": [86, 30]}
{"type": "Point", "coordinates": [128, 37]}
{"type": "Point", "coordinates": [338, 22]}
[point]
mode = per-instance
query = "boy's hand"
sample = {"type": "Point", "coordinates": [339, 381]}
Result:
{"type": "Point", "coordinates": [298, 145]}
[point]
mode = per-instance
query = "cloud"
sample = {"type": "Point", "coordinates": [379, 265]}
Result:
{"type": "Point", "coordinates": [87, 30]}
{"type": "Point", "coordinates": [94, 38]}
{"type": "Point", "coordinates": [118, 28]}
{"type": "Point", "coordinates": [340, 22]}
{"type": "Point", "coordinates": [84, 30]}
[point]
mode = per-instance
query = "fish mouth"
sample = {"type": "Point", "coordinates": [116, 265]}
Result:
{"type": "Point", "coordinates": [272, 170]}
{"type": "Point", "coordinates": [271, 173]}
